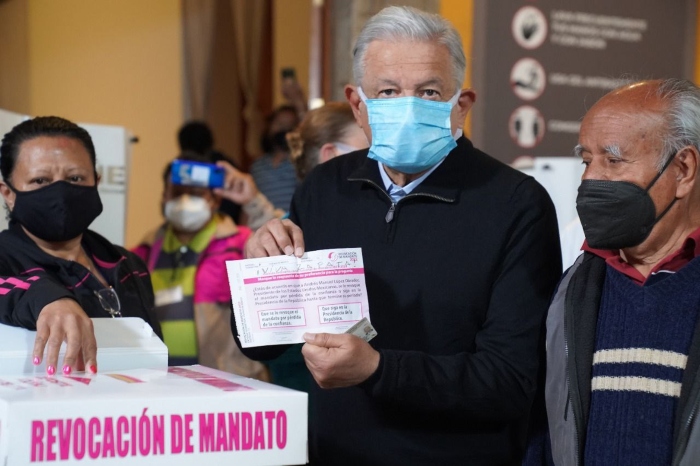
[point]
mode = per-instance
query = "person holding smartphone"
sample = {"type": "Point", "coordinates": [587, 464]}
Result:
{"type": "Point", "coordinates": [292, 91]}
{"type": "Point", "coordinates": [186, 258]}
{"type": "Point", "coordinates": [273, 172]}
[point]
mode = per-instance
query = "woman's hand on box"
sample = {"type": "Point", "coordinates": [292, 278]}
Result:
{"type": "Point", "coordinates": [64, 320]}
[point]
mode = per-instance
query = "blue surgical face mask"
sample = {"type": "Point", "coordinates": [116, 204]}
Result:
{"type": "Point", "coordinates": [410, 134]}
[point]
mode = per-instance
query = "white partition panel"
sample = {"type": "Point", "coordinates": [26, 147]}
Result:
{"type": "Point", "coordinates": [7, 121]}
{"type": "Point", "coordinates": [561, 177]}
{"type": "Point", "coordinates": [113, 148]}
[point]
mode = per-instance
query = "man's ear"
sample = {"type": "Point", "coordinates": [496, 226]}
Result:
{"type": "Point", "coordinates": [686, 163]}
{"type": "Point", "coordinates": [354, 100]}
{"type": "Point", "coordinates": [467, 97]}
{"type": "Point", "coordinates": [7, 194]}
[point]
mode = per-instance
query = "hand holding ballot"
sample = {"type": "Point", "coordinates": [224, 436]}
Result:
{"type": "Point", "coordinates": [277, 237]}
{"type": "Point", "coordinates": [337, 361]}
{"type": "Point", "coordinates": [312, 299]}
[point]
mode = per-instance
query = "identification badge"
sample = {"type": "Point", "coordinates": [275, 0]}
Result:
{"type": "Point", "coordinates": [363, 329]}
{"type": "Point", "coordinates": [168, 296]}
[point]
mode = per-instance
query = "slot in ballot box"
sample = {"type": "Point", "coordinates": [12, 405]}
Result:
{"type": "Point", "coordinates": [170, 416]}
{"type": "Point", "coordinates": [122, 343]}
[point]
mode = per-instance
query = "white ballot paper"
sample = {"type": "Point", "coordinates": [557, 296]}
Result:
{"type": "Point", "coordinates": [277, 299]}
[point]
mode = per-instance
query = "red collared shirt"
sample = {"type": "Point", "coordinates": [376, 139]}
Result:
{"type": "Point", "coordinates": [671, 263]}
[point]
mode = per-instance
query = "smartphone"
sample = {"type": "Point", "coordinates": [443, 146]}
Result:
{"type": "Point", "coordinates": [206, 175]}
{"type": "Point", "coordinates": [289, 73]}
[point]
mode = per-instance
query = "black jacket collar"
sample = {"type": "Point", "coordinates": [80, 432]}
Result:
{"type": "Point", "coordinates": [94, 243]}
{"type": "Point", "coordinates": [445, 182]}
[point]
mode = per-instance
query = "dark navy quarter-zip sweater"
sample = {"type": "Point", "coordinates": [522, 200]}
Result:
{"type": "Point", "coordinates": [459, 275]}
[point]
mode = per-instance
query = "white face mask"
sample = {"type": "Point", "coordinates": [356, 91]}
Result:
{"type": "Point", "coordinates": [187, 213]}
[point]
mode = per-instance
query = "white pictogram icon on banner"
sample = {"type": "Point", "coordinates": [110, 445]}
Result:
{"type": "Point", "coordinates": [527, 79]}
{"type": "Point", "coordinates": [526, 126]}
{"type": "Point", "coordinates": [529, 27]}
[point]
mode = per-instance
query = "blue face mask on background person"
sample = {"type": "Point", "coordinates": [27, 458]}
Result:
{"type": "Point", "coordinates": [410, 134]}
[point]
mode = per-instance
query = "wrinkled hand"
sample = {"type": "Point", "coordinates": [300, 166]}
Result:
{"type": "Point", "coordinates": [64, 320]}
{"type": "Point", "coordinates": [341, 360]}
{"type": "Point", "coordinates": [239, 187]}
{"type": "Point", "coordinates": [275, 238]}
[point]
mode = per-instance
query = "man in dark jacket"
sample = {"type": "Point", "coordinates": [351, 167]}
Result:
{"type": "Point", "coordinates": [461, 257]}
{"type": "Point", "coordinates": [623, 345]}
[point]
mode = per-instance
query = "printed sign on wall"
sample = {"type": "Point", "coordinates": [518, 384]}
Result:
{"type": "Point", "coordinates": [538, 65]}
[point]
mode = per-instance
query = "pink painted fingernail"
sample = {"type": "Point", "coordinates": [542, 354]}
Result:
{"type": "Point", "coordinates": [50, 370]}
{"type": "Point", "coordinates": [36, 360]}
{"type": "Point", "coordinates": [66, 370]}
{"type": "Point", "coordinates": [93, 369]}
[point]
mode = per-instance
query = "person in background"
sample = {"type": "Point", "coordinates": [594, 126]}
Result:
{"type": "Point", "coordinates": [55, 274]}
{"type": "Point", "coordinates": [324, 133]}
{"type": "Point", "coordinates": [623, 335]}
{"type": "Point", "coordinates": [186, 257]}
{"type": "Point", "coordinates": [461, 256]}
{"type": "Point", "coordinates": [197, 137]}
{"type": "Point", "coordinates": [273, 171]}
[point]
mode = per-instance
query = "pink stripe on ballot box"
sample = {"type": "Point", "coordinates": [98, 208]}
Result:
{"type": "Point", "coordinates": [303, 275]}
{"type": "Point", "coordinates": [211, 380]}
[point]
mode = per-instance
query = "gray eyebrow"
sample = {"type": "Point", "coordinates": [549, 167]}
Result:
{"type": "Point", "coordinates": [612, 149]}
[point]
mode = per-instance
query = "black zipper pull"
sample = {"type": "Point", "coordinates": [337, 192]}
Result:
{"type": "Point", "coordinates": [390, 215]}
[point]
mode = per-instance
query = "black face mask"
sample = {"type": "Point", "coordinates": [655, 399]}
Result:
{"type": "Point", "coordinates": [617, 214]}
{"type": "Point", "coordinates": [58, 212]}
{"type": "Point", "coordinates": [276, 141]}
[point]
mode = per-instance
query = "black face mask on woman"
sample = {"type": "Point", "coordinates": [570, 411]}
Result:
{"type": "Point", "coordinates": [617, 214]}
{"type": "Point", "coordinates": [58, 212]}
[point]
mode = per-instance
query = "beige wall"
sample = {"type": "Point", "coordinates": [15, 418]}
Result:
{"type": "Point", "coordinates": [117, 63]}
{"type": "Point", "coordinates": [291, 30]}
{"type": "Point", "coordinates": [14, 59]}
{"type": "Point", "coordinates": [461, 14]}
{"type": "Point", "coordinates": [106, 62]}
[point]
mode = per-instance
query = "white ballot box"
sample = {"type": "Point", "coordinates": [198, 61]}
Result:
{"type": "Point", "coordinates": [122, 343]}
{"type": "Point", "coordinates": [174, 416]}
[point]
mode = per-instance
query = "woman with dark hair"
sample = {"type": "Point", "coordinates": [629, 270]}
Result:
{"type": "Point", "coordinates": [55, 273]}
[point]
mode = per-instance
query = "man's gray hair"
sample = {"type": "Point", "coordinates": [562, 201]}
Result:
{"type": "Point", "coordinates": [682, 116]}
{"type": "Point", "coordinates": [407, 23]}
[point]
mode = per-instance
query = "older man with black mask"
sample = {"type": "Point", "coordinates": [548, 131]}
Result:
{"type": "Point", "coordinates": [623, 347]}
{"type": "Point", "coordinates": [461, 257]}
